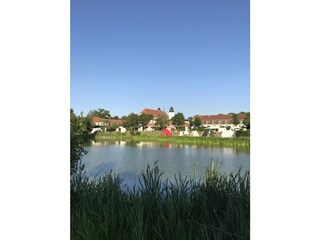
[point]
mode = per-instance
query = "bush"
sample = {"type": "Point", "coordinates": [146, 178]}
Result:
{"type": "Point", "coordinates": [242, 133]}
{"type": "Point", "coordinates": [135, 133]}
{"type": "Point", "coordinates": [112, 128]}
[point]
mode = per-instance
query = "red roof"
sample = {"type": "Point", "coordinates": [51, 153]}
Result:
{"type": "Point", "coordinates": [154, 113]}
{"type": "Point", "coordinates": [219, 117]}
{"type": "Point", "coordinates": [98, 119]}
{"type": "Point", "coordinates": [109, 120]}
{"type": "Point", "coordinates": [115, 121]}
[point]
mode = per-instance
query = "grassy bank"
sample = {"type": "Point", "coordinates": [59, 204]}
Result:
{"type": "Point", "coordinates": [155, 209]}
{"type": "Point", "coordinates": [155, 137]}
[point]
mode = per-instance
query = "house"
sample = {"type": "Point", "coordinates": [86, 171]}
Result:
{"type": "Point", "coordinates": [98, 121]}
{"type": "Point", "coordinates": [121, 129]}
{"type": "Point", "coordinates": [220, 120]}
{"type": "Point", "coordinates": [155, 114]}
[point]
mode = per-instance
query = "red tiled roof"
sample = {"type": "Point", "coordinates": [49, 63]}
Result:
{"type": "Point", "coordinates": [154, 113]}
{"type": "Point", "coordinates": [98, 119]}
{"type": "Point", "coordinates": [115, 121]}
{"type": "Point", "coordinates": [109, 120]}
{"type": "Point", "coordinates": [219, 117]}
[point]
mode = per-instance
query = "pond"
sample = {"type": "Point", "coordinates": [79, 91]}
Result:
{"type": "Point", "coordinates": [129, 159]}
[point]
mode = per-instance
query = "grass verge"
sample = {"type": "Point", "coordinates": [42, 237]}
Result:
{"type": "Point", "coordinates": [204, 141]}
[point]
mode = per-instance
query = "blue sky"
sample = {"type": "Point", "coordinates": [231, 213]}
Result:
{"type": "Point", "coordinates": [192, 55]}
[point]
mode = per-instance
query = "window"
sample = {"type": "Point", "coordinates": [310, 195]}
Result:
{"type": "Point", "coordinates": [213, 121]}
{"type": "Point", "coordinates": [220, 122]}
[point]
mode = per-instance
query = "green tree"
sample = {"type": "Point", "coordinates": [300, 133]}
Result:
{"type": "Point", "coordinates": [144, 119]}
{"type": "Point", "coordinates": [246, 120]}
{"type": "Point", "coordinates": [235, 119]}
{"type": "Point", "coordinates": [103, 113]}
{"type": "Point", "coordinates": [132, 121]}
{"type": "Point", "coordinates": [178, 120]}
{"type": "Point", "coordinates": [78, 131]}
{"type": "Point", "coordinates": [162, 121]}
{"type": "Point", "coordinates": [197, 122]}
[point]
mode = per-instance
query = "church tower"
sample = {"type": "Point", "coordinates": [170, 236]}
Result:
{"type": "Point", "coordinates": [171, 113]}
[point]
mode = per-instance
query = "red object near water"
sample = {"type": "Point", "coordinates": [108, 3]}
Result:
{"type": "Point", "coordinates": [166, 132]}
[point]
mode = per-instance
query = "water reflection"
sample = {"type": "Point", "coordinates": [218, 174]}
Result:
{"type": "Point", "coordinates": [130, 158]}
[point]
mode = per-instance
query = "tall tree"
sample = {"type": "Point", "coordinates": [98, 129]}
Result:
{"type": "Point", "coordinates": [178, 120]}
{"type": "Point", "coordinates": [78, 131]}
{"type": "Point", "coordinates": [246, 121]}
{"type": "Point", "coordinates": [197, 122]}
{"type": "Point", "coordinates": [103, 113]}
{"type": "Point", "coordinates": [132, 121]}
{"type": "Point", "coordinates": [235, 119]}
{"type": "Point", "coordinates": [144, 119]}
{"type": "Point", "coordinates": [162, 121]}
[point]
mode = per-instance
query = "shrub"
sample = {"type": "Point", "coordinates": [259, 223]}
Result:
{"type": "Point", "coordinates": [242, 133]}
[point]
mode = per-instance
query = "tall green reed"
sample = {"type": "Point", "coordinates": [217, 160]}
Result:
{"type": "Point", "coordinates": [217, 208]}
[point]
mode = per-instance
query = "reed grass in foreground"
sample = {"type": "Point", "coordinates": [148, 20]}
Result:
{"type": "Point", "coordinates": [218, 208]}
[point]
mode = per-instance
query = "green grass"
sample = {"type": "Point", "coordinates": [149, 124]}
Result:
{"type": "Point", "coordinates": [155, 137]}
{"type": "Point", "coordinates": [218, 208]}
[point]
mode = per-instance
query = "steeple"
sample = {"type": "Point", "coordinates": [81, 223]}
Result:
{"type": "Point", "coordinates": [171, 113]}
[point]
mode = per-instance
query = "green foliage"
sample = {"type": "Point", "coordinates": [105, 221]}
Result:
{"type": "Point", "coordinates": [134, 133]}
{"type": "Point", "coordinates": [144, 119]}
{"type": "Point", "coordinates": [228, 127]}
{"type": "Point", "coordinates": [162, 121]}
{"type": "Point", "coordinates": [217, 208]}
{"type": "Point", "coordinates": [132, 121]}
{"type": "Point", "coordinates": [155, 137]}
{"type": "Point", "coordinates": [78, 134]}
{"type": "Point", "coordinates": [242, 133]}
{"type": "Point", "coordinates": [178, 119]}
{"type": "Point", "coordinates": [235, 119]}
{"type": "Point", "coordinates": [246, 121]}
{"type": "Point", "coordinates": [197, 122]}
{"type": "Point", "coordinates": [103, 113]}
{"type": "Point", "coordinates": [112, 128]}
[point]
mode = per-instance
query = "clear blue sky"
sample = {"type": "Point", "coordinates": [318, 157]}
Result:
{"type": "Point", "coordinates": [193, 55]}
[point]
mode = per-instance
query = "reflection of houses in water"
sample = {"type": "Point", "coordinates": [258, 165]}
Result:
{"type": "Point", "coordinates": [121, 143]}
{"type": "Point", "coordinates": [152, 144]}
{"type": "Point", "coordinates": [229, 152]}
{"type": "Point", "coordinates": [94, 143]}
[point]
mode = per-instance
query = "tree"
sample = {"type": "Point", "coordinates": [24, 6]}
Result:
{"type": "Point", "coordinates": [102, 113]}
{"type": "Point", "coordinates": [197, 122]}
{"type": "Point", "coordinates": [78, 131]}
{"type": "Point", "coordinates": [162, 121]}
{"type": "Point", "coordinates": [246, 121]}
{"type": "Point", "coordinates": [235, 119]}
{"type": "Point", "coordinates": [132, 121]}
{"type": "Point", "coordinates": [144, 119]}
{"type": "Point", "coordinates": [178, 120]}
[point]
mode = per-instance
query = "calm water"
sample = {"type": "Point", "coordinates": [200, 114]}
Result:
{"type": "Point", "coordinates": [129, 159]}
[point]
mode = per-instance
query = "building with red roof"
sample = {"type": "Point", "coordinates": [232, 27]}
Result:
{"type": "Point", "coordinates": [220, 119]}
{"type": "Point", "coordinates": [154, 113]}
{"type": "Point", "coordinates": [98, 121]}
